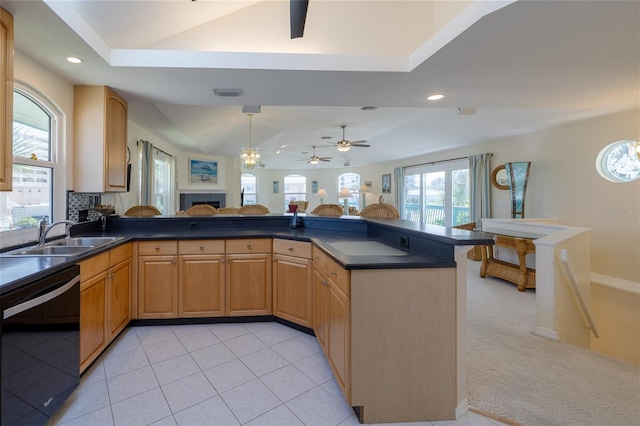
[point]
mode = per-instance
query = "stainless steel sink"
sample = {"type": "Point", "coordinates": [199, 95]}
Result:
{"type": "Point", "coordinates": [84, 241]}
{"type": "Point", "coordinates": [53, 250]}
{"type": "Point", "coordinates": [64, 247]}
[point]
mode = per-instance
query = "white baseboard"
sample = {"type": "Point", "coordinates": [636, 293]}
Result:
{"type": "Point", "coordinates": [462, 408]}
{"type": "Point", "coordinates": [546, 332]}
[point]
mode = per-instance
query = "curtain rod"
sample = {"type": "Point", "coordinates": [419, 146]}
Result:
{"type": "Point", "coordinates": [157, 149]}
{"type": "Point", "coordinates": [442, 161]}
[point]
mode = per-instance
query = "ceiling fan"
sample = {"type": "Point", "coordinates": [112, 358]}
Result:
{"type": "Point", "coordinates": [314, 159]}
{"type": "Point", "coordinates": [345, 145]}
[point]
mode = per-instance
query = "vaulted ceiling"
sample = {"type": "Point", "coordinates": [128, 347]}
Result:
{"type": "Point", "coordinates": [522, 65]}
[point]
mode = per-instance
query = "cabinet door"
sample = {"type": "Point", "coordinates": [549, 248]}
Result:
{"type": "Point", "coordinates": [292, 289]}
{"type": "Point", "coordinates": [248, 283]}
{"type": "Point", "coordinates": [6, 98]}
{"type": "Point", "coordinates": [201, 286]}
{"type": "Point", "coordinates": [157, 287]}
{"type": "Point", "coordinates": [118, 298]}
{"type": "Point", "coordinates": [339, 347]}
{"type": "Point", "coordinates": [115, 143]}
{"type": "Point", "coordinates": [93, 335]}
{"type": "Point", "coordinates": [320, 306]}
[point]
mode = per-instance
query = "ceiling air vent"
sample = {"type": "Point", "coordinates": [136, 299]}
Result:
{"type": "Point", "coordinates": [228, 93]}
{"type": "Point", "coordinates": [368, 108]}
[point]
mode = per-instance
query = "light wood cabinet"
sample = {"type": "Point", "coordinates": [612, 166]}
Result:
{"type": "Point", "coordinates": [332, 317]}
{"type": "Point", "coordinates": [201, 285]}
{"type": "Point", "coordinates": [157, 279]}
{"type": "Point", "coordinates": [100, 140]}
{"type": "Point", "coordinates": [6, 100]}
{"type": "Point", "coordinates": [105, 300]}
{"type": "Point", "coordinates": [292, 281]}
{"type": "Point", "coordinates": [118, 290]}
{"type": "Point", "coordinates": [248, 277]}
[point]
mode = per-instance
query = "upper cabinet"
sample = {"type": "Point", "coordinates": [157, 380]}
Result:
{"type": "Point", "coordinates": [6, 100]}
{"type": "Point", "coordinates": [100, 140]}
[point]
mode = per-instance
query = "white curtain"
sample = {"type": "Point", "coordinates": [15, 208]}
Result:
{"type": "Point", "coordinates": [480, 187]}
{"type": "Point", "coordinates": [398, 184]}
{"type": "Point", "coordinates": [146, 169]}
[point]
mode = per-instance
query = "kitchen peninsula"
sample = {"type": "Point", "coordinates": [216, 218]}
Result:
{"type": "Point", "coordinates": [385, 298]}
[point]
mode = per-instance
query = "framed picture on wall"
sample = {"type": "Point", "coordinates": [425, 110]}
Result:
{"type": "Point", "coordinates": [276, 186]}
{"type": "Point", "coordinates": [203, 171]}
{"type": "Point", "coordinates": [314, 186]}
{"type": "Point", "coordinates": [386, 184]}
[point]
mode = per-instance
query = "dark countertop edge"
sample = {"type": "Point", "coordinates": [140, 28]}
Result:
{"type": "Point", "coordinates": [452, 236]}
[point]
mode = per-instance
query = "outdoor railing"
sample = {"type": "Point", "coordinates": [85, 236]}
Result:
{"type": "Point", "coordinates": [434, 215]}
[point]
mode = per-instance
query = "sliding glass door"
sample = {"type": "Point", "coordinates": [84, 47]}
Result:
{"type": "Point", "coordinates": [437, 194]}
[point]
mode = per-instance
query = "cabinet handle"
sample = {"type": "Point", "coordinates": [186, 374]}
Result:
{"type": "Point", "coordinates": [317, 258]}
{"type": "Point", "coordinates": [334, 273]}
{"type": "Point", "coordinates": [157, 249]}
{"type": "Point", "coordinates": [249, 245]}
{"type": "Point", "coordinates": [324, 282]}
{"type": "Point", "coordinates": [173, 261]}
{"type": "Point", "coordinates": [201, 248]}
{"type": "Point", "coordinates": [290, 249]}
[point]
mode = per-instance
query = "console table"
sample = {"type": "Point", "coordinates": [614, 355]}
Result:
{"type": "Point", "coordinates": [519, 274]}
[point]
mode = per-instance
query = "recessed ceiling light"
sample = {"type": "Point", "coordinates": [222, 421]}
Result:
{"type": "Point", "coordinates": [435, 97]}
{"type": "Point", "coordinates": [74, 59]}
{"type": "Point", "coordinates": [283, 146]}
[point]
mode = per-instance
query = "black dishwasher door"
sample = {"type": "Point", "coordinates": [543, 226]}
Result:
{"type": "Point", "coordinates": [39, 340]}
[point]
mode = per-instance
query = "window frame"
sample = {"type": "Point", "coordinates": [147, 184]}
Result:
{"type": "Point", "coordinates": [56, 164]}
{"type": "Point", "coordinates": [448, 167]}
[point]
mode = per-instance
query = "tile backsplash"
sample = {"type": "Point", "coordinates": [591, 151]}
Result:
{"type": "Point", "coordinates": [77, 201]}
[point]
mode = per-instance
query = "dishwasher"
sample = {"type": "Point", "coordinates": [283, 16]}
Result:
{"type": "Point", "coordinates": [39, 344]}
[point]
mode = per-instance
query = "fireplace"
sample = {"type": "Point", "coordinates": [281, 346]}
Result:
{"type": "Point", "coordinates": [216, 200]}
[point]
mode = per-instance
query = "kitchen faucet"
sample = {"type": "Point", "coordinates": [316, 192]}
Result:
{"type": "Point", "coordinates": [43, 229]}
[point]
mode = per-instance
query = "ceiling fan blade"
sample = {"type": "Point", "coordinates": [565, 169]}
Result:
{"type": "Point", "coordinates": [298, 16]}
{"type": "Point", "coordinates": [324, 159]}
{"type": "Point", "coordinates": [359, 145]}
{"type": "Point", "coordinates": [357, 142]}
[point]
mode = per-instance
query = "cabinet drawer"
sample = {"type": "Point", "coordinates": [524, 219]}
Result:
{"type": "Point", "coordinates": [150, 248]}
{"type": "Point", "coordinates": [242, 246]}
{"type": "Point", "coordinates": [292, 248]}
{"type": "Point", "coordinates": [320, 258]}
{"type": "Point", "coordinates": [201, 247]}
{"type": "Point", "coordinates": [94, 265]}
{"type": "Point", "coordinates": [119, 254]}
{"type": "Point", "coordinates": [339, 276]}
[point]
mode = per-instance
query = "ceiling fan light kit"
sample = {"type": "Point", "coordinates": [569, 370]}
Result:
{"type": "Point", "coordinates": [344, 145]}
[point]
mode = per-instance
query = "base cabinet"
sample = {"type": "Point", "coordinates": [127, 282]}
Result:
{"type": "Point", "coordinates": [201, 279]}
{"type": "Point", "coordinates": [157, 279]}
{"type": "Point", "coordinates": [105, 300]}
{"type": "Point", "coordinates": [332, 317]}
{"type": "Point", "coordinates": [248, 277]}
{"type": "Point", "coordinates": [292, 281]}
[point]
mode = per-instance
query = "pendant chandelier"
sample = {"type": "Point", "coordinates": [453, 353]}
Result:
{"type": "Point", "coordinates": [250, 157]}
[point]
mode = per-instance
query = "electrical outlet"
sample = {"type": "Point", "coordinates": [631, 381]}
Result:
{"type": "Point", "coordinates": [194, 225]}
{"type": "Point", "coordinates": [404, 241]}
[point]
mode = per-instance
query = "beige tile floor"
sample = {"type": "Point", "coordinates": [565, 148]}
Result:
{"type": "Point", "coordinates": [215, 374]}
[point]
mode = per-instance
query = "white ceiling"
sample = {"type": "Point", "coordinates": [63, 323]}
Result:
{"type": "Point", "coordinates": [524, 65]}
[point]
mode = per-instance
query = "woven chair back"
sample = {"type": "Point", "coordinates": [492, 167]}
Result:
{"type": "Point", "coordinates": [143, 211]}
{"type": "Point", "coordinates": [228, 210]}
{"type": "Point", "coordinates": [380, 211]}
{"type": "Point", "coordinates": [328, 210]}
{"type": "Point", "coordinates": [253, 209]}
{"type": "Point", "coordinates": [201, 210]}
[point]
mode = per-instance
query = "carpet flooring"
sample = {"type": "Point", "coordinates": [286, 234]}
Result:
{"type": "Point", "coordinates": [533, 380]}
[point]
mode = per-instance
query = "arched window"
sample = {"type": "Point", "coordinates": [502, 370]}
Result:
{"type": "Point", "coordinates": [295, 189]}
{"type": "Point", "coordinates": [351, 181]}
{"type": "Point", "coordinates": [249, 184]}
{"type": "Point", "coordinates": [34, 163]}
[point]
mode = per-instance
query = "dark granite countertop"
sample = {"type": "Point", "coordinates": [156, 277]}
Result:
{"type": "Point", "coordinates": [431, 246]}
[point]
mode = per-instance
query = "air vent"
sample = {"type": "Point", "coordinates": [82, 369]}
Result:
{"type": "Point", "coordinates": [228, 93]}
{"type": "Point", "coordinates": [368, 108]}
{"type": "Point", "coordinates": [251, 109]}
{"type": "Point", "coordinates": [466, 111]}
{"type": "Point", "coordinates": [326, 137]}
